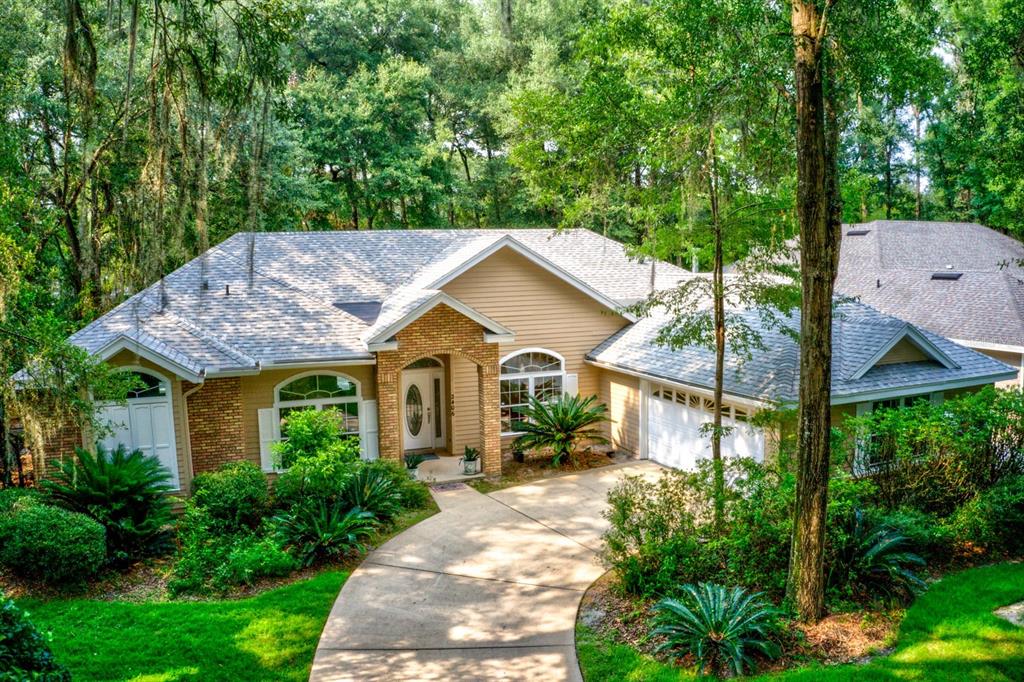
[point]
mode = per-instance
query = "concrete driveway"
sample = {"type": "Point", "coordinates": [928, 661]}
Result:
{"type": "Point", "coordinates": [485, 590]}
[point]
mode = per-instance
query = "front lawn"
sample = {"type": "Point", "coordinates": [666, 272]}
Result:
{"type": "Point", "coordinates": [268, 637]}
{"type": "Point", "coordinates": [950, 633]}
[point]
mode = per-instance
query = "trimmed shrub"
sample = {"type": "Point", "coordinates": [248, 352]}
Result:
{"type": "Point", "coordinates": [994, 520]}
{"type": "Point", "coordinates": [51, 544]}
{"type": "Point", "coordinates": [309, 433]}
{"type": "Point", "coordinates": [24, 651]}
{"type": "Point", "coordinates": [18, 498]}
{"type": "Point", "coordinates": [124, 491]}
{"type": "Point", "coordinates": [236, 496]}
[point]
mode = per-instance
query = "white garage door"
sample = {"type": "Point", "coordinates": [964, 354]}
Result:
{"type": "Point", "coordinates": [675, 439]}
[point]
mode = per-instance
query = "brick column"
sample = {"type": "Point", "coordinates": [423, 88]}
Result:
{"type": "Point", "coordinates": [490, 417]}
{"type": "Point", "coordinates": [215, 423]}
{"type": "Point", "coordinates": [389, 443]}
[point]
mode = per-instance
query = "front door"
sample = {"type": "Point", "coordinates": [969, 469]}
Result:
{"type": "Point", "coordinates": [422, 413]}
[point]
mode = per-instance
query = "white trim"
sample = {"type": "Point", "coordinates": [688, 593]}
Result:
{"type": "Point", "coordinates": [528, 253]}
{"type": "Point", "coordinates": [985, 345]}
{"type": "Point", "coordinates": [919, 339]}
{"type": "Point", "coordinates": [499, 338]}
{"type": "Point", "coordinates": [354, 362]}
{"type": "Point", "coordinates": [384, 345]}
{"type": "Point", "coordinates": [530, 376]}
{"type": "Point", "coordinates": [675, 383]}
{"type": "Point", "coordinates": [122, 342]}
{"type": "Point", "coordinates": [384, 336]}
{"type": "Point", "coordinates": [176, 473]}
{"type": "Point", "coordinates": [645, 396]}
{"type": "Point", "coordinates": [321, 403]}
{"type": "Point", "coordinates": [922, 388]}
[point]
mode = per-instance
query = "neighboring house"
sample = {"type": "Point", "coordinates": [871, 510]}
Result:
{"type": "Point", "coordinates": [432, 340]}
{"type": "Point", "coordinates": [961, 280]}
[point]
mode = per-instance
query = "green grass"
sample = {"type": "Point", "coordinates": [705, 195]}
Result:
{"type": "Point", "coordinates": [271, 636]}
{"type": "Point", "coordinates": [268, 637]}
{"type": "Point", "coordinates": [950, 633]}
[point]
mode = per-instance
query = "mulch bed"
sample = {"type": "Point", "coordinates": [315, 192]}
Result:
{"type": "Point", "coordinates": [838, 638]}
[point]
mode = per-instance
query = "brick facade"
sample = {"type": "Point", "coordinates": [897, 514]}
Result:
{"type": "Point", "coordinates": [441, 331]}
{"type": "Point", "coordinates": [57, 445]}
{"type": "Point", "coordinates": [215, 423]}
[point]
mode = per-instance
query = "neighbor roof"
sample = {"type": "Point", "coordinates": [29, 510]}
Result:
{"type": "Point", "coordinates": [307, 297]}
{"type": "Point", "coordinates": [891, 267]}
{"type": "Point", "coordinates": [859, 333]}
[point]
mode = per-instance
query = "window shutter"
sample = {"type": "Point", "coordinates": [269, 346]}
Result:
{"type": "Point", "coordinates": [572, 384]}
{"type": "Point", "coordinates": [368, 435]}
{"type": "Point", "coordinates": [268, 436]}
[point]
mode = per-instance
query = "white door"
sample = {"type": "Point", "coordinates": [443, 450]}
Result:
{"type": "Point", "coordinates": [673, 424]}
{"type": "Point", "coordinates": [422, 408]}
{"type": "Point", "coordinates": [145, 424]}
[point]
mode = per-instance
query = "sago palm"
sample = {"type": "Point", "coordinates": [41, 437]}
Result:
{"type": "Point", "coordinates": [719, 626]}
{"type": "Point", "coordinates": [561, 424]}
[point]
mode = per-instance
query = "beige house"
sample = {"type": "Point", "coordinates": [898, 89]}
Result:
{"type": "Point", "coordinates": [428, 341]}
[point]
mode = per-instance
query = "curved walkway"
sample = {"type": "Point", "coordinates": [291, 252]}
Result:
{"type": "Point", "coordinates": [487, 589]}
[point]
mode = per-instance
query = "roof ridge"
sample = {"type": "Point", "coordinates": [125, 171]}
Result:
{"type": "Point", "coordinates": [197, 330]}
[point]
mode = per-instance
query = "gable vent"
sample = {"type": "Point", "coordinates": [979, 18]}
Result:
{"type": "Point", "coordinates": [857, 233]}
{"type": "Point", "coordinates": [947, 275]}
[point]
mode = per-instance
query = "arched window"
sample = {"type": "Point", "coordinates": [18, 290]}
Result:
{"type": "Point", "coordinates": [531, 372]}
{"type": "Point", "coordinates": [319, 391]}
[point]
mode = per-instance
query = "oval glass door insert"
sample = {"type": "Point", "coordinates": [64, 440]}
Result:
{"type": "Point", "coordinates": [414, 410]}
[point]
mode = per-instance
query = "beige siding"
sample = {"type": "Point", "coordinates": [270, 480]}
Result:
{"type": "Point", "coordinates": [904, 351]}
{"type": "Point", "coordinates": [126, 358]}
{"type": "Point", "coordinates": [258, 393]}
{"type": "Point", "coordinates": [542, 310]}
{"type": "Point", "coordinates": [621, 393]}
{"type": "Point", "coordinates": [1012, 359]}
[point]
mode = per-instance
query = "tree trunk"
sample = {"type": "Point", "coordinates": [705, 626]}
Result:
{"type": "Point", "coordinates": [818, 261]}
{"type": "Point", "coordinates": [6, 452]}
{"type": "Point", "coordinates": [718, 295]}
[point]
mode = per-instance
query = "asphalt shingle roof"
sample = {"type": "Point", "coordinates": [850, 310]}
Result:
{"type": "Point", "coordinates": [772, 374]}
{"type": "Point", "coordinates": [891, 269]}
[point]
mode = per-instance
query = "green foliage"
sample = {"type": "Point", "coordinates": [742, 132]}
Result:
{"type": "Point", "coordinates": [318, 531]}
{"type": "Point", "coordinates": [321, 476]}
{"type": "Point", "coordinates": [720, 627]}
{"type": "Point", "coordinates": [936, 457]}
{"type": "Point", "coordinates": [124, 491]}
{"type": "Point", "coordinates": [235, 496]}
{"type": "Point", "coordinates": [471, 454]}
{"type": "Point", "coordinates": [51, 544]}
{"type": "Point", "coordinates": [18, 498]}
{"type": "Point", "coordinates": [927, 535]}
{"type": "Point", "coordinates": [24, 651]}
{"type": "Point", "coordinates": [413, 461]}
{"type": "Point", "coordinates": [214, 560]}
{"type": "Point", "coordinates": [994, 520]}
{"type": "Point", "coordinates": [561, 424]}
{"type": "Point", "coordinates": [411, 494]}
{"type": "Point", "coordinates": [310, 433]}
{"type": "Point", "coordinates": [374, 490]}
{"type": "Point", "coordinates": [873, 560]}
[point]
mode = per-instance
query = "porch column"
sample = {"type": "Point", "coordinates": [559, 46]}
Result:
{"type": "Point", "coordinates": [490, 417]}
{"type": "Point", "coordinates": [388, 443]}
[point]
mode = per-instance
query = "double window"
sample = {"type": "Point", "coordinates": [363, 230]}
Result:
{"type": "Point", "coordinates": [321, 392]}
{"type": "Point", "coordinates": [532, 372]}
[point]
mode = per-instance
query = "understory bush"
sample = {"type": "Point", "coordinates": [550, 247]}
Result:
{"type": "Point", "coordinates": [212, 560]}
{"type": "Point", "coordinates": [51, 544]}
{"type": "Point", "coordinates": [322, 477]}
{"type": "Point", "coordinates": [124, 491]}
{"type": "Point", "coordinates": [24, 651]}
{"type": "Point", "coordinates": [311, 433]}
{"type": "Point", "coordinates": [994, 520]}
{"type": "Point", "coordinates": [720, 627]}
{"type": "Point", "coordinates": [235, 496]}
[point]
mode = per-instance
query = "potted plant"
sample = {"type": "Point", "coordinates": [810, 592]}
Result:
{"type": "Point", "coordinates": [518, 453]}
{"type": "Point", "coordinates": [411, 462]}
{"type": "Point", "coordinates": [471, 461]}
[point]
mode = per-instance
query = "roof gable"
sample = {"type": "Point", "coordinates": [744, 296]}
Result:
{"type": "Point", "coordinates": [907, 334]}
{"type": "Point", "coordinates": [380, 336]}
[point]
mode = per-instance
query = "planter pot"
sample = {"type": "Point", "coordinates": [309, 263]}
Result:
{"type": "Point", "coordinates": [470, 468]}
